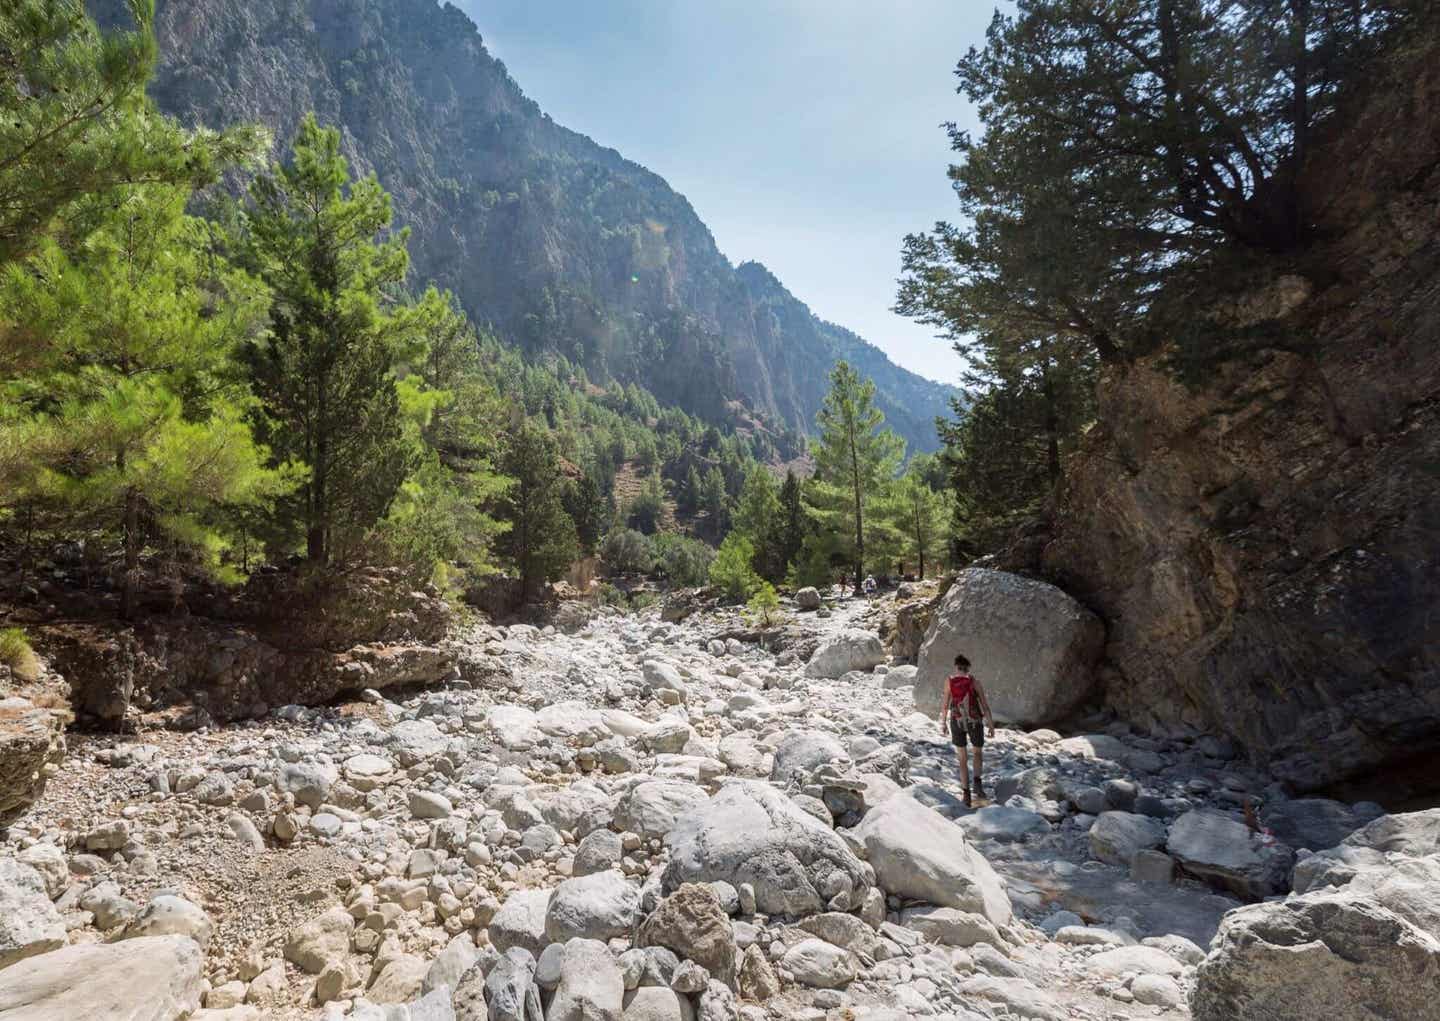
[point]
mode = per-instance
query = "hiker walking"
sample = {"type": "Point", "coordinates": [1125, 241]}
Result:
{"type": "Point", "coordinates": [869, 585]}
{"type": "Point", "coordinates": [964, 706]}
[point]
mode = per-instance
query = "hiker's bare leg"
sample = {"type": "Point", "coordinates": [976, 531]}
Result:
{"type": "Point", "coordinates": [964, 767]}
{"type": "Point", "coordinates": [979, 771]}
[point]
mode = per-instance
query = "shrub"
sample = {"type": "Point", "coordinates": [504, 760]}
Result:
{"type": "Point", "coordinates": [682, 560]}
{"type": "Point", "coordinates": [648, 508]}
{"type": "Point", "coordinates": [15, 652]}
{"type": "Point", "coordinates": [731, 570]}
{"type": "Point", "coordinates": [609, 595]}
{"type": "Point", "coordinates": [626, 551]}
{"type": "Point", "coordinates": [764, 606]}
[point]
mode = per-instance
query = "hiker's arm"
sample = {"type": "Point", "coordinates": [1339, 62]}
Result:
{"type": "Point", "coordinates": [945, 709]}
{"type": "Point", "coordinates": [985, 707]}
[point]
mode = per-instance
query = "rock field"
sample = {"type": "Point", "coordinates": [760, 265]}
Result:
{"type": "Point", "coordinates": [643, 821]}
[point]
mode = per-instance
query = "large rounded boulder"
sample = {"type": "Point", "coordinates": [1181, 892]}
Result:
{"type": "Point", "coordinates": [1330, 954]}
{"type": "Point", "coordinates": [749, 832]}
{"type": "Point", "coordinates": [1032, 646]}
{"type": "Point", "coordinates": [919, 854]}
{"type": "Point", "coordinates": [850, 649]}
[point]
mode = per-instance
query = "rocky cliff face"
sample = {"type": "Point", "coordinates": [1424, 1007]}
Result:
{"type": "Point", "coordinates": [1265, 547]}
{"type": "Point", "coordinates": [558, 243]}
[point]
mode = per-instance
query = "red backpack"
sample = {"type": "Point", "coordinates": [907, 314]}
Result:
{"type": "Point", "coordinates": [962, 687]}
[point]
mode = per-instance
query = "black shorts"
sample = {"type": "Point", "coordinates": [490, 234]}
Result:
{"type": "Point", "coordinates": [961, 729]}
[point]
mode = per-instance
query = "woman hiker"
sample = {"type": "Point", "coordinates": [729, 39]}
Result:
{"type": "Point", "coordinates": [965, 704]}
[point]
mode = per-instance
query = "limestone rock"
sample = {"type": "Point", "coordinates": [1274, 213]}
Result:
{"type": "Point", "coordinates": [167, 915]}
{"type": "Point", "coordinates": [1032, 646]}
{"type": "Point", "coordinates": [661, 676]}
{"type": "Point", "coordinates": [591, 987]}
{"type": "Point", "coordinates": [599, 851]}
{"type": "Point", "coordinates": [32, 742]}
{"type": "Point", "coordinates": [1221, 850]}
{"type": "Point", "coordinates": [1329, 954]}
{"type": "Point", "coordinates": [520, 922]}
{"type": "Point", "coordinates": [692, 922]}
{"type": "Point", "coordinates": [320, 941]}
{"type": "Point", "coordinates": [918, 853]}
{"type": "Point", "coordinates": [599, 906]}
{"type": "Point", "coordinates": [850, 649]}
{"type": "Point", "coordinates": [656, 1003]}
{"type": "Point", "coordinates": [155, 978]}
{"type": "Point", "coordinates": [800, 751]}
{"type": "Point", "coordinates": [950, 927]}
{"type": "Point", "coordinates": [509, 990]}
{"type": "Point", "coordinates": [750, 833]}
{"type": "Point", "coordinates": [29, 923]}
{"type": "Point", "coordinates": [1003, 824]}
{"type": "Point", "coordinates": [902, 676]}
{"type": "Point", "coordinates": [651, 808]}
{"type": "Point", "coordinates": [820, 965]}
{"type": "Point", "coordinates": [1116, 837]}
{"type": "Point", "coordinates": [1314, 823]}
{"type": "Point", "coordinates": [757, 979]}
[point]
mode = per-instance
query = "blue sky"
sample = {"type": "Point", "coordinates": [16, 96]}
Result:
{"type": "Point", "coordinates": [806, 133]}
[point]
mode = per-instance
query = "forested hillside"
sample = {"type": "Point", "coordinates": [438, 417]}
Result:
{"type": "Point", "coordinates": [558, 244]}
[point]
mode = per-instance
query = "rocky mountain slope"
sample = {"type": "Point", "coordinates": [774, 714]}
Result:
{"type": "Point", "coordinates": [557, 242]}
{"type": "Point", "coordinates": [1263, 544]}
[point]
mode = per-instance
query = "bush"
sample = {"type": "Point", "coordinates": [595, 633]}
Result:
{"type": "Point", "coordinates": [731, 570]}
{"type": "Point", "coordinates": [648, 508]}
{"type": "Point", "coordinates": [609, 595]}
{"type": "Point", "coordinates": [682, 560]}
{"type": "Point", "coordinates": [764, 606]}
{"type": "Point", "coordinates": [626, 551]}
{"type": "Point", "coordinates": [15, 652]}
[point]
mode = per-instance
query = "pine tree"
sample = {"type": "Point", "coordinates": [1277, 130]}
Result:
{"type": "Point", "coordinates": [1025, 410]}
{"type": "Point", "coordinates": [325, 372]}
{"type": "Point", "coordinates": [647, 508]}
{"type": "Point", "coordinates": [587, 508]}
{"type": "Point", "coordinates": [690, 491]}
{"type": "Point", "coordinates": [731, 570]}
{"type": "Point", "coordinates": [439, 516]}
{"type": "Point", "coordinates": [541, 542]}
{"type": "Point", "coordinates": [714, 501]}
{"type": "Point", "coordinates": [794, 523]}
{"type": "Point", "coordinates": [1124, 142]}
{"type": "Point", "coordinates": [855, 461]}
{"type": "Point", "coordinates": [923, 516]}
{"type": "Point", "coordinates": [759, 517]}
{"type": "Point", "coordinates": [135, 418]}
{"type": "Point", "coordinates": [74, 119]}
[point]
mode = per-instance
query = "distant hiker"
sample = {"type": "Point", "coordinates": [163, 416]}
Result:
{"type": "Point", "coordinates": [965, 704]}
{"type": "Point", "coordinates": [869, 585]}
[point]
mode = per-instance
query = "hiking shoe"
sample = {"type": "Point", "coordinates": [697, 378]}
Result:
{"type": "Point", "coordinates": [980, 790]}
{"type": "Point", "coordinates": [967, 797]}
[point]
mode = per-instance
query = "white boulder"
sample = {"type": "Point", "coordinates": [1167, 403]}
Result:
{"type": "Point", "coordinates": [918, 853]}
{"type": "Point", "coordinates": [750, 833]}
{"type": "Point", "coordinates": [29, 923]}
{"type": "Point", "coordinates": [1032, 646]}
{"type": "Point", "coordinates": [850, 649]}
{"type": "Point", "coordinates": [157, 978]}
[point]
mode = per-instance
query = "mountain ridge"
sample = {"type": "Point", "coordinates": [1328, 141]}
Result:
{"type": "Point", "coordinates": [556, 242]}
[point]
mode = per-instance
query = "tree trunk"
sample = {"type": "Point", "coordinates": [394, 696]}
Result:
{"type": "Point", "coordinates": [859, 511]}
{"type": "Point", "coordinates": [131, 582]}
{"type": "Point", "coordinates": [1052, 421]}
{"type": "Point", "coordinates": [316, 537]}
